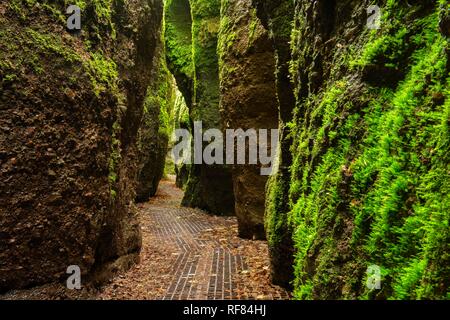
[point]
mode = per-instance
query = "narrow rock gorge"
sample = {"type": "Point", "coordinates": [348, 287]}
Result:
{"type": "Point", "coordinates": [356, 205]}
{"type": "Point", "coordinates": [191, 40]}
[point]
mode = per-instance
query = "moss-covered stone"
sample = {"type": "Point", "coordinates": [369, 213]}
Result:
{"type": "Point", "coordinates": [369, 178]}
{"type": "Point", "coordinates": [197, 74]}
{"type": "Point", "coordinates": [156, 128]}
{"type": "Point", "coordinates": [248, 101]}
{"type": "Point", "coordinates": [277, 16]}
{"type": "Point", "coordinates": [70, 108]}
{"type": "Point", "coordinates": [178, 39]}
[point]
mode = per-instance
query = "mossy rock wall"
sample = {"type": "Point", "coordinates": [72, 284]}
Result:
{"type": "Point", "coordinates": [70, 109]}
{"type": "Point", "coordinates": [191, 39]}
{"type": "Point", "coordinates": [181, 120]}
{"type": "Point", "coordinates": [178, 40]}
{"type": "Point", "coordinates": [277, 16]}
{"type": "Point", "coordinates": [156, 127]}
{"type": "Point", "coordinates": [369, 180]}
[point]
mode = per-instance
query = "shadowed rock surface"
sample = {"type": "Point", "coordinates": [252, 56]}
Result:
{"type": "Point", "coordinates": [277, 16]}
{"type": "Point", "coordinates": [248, 101]}
{"type": "Point", "coordinates": [153, 136]}
{"type": "Point", "coordinates": [70, 109]}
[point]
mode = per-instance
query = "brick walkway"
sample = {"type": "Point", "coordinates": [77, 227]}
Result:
{"type": "Point", "coordinates": [203, 268]}
{"type": "Point", "coordinates": [188, 254]}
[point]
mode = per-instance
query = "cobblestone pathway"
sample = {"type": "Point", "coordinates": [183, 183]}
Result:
{"type": "Point", "coordinates": [188, 254]}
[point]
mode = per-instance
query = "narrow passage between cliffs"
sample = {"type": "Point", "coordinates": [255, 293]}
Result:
{"type": "Point", "coordinates": [188, 254]}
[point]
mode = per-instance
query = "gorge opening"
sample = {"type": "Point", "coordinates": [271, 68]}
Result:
{"type": "Point", "coordinates": [357, 203]}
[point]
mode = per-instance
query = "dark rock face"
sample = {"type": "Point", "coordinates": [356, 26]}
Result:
{"type": "Point", "coordinates": [210, 188]}
{"type": "Point", "coordinates": [69, 115]}
{"type": "Point", "coordinates": [277, 16]}
{"type": "Point", "coordinates": [152, 151]}
{"type": "Point", "coordinates": [153, 135]}
{"type": "Point", "coordinates": [248, 101]}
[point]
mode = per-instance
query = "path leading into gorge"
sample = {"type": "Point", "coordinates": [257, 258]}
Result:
{"type": "Point", "coordinates": [188, 254]}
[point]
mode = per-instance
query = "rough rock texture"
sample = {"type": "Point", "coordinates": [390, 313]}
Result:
{"type": "Point", "coordinates": [70, 109]}
{"type": "Point", "coordinates": [277, 16]}
{"type": "Point", "coordinates": [178, 37]}
{"type": "Point", "coordinates": [248, 101]}
{"type": "Point", "coordinates": [369, 179]}
{"type": "Point", "coordinates": [191, 39]}
{"type": "Point", "coordinates": [181, 121]}
{"type": "Point", "coordinates": [153, 135]}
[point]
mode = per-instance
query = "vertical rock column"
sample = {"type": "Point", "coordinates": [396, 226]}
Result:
{"type": "Point", "coordinates": [153, 135]}
{"type": "Point", "coordinates": [369, 188]}
{"type": "Point", "coordinates": [194, 63]}
{"type": "Point", "coordinates": [248, 101]}
{"type": "Point", "coordinates": [277, 16]}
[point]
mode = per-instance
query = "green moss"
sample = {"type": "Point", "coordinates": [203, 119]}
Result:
{"type": "Point", "coordinates": [226, 38]}
{"type": "Point", "coordinates": [36, 44]}
{"type": "Point", "coordinates": [405, 204]}
{"type": "Point", "coordinates": [28, 51]}
{"type": "Point", "coordinates": [180, 112]}
{"type": "Point", "coordinates": [53, 44]}
{"type": "Point", "coordinates": [380, 172]}
{"type": "Point", "coordinates": [103, 9]}
{"type": "Point", "coordinates": [205, 28]}
{"type": "Point", "coordinates": [273, 221]}
{"type": "Point", "coordinates": [17, 6]}
{"type": "Point", "coordinates": [29, 48]}
{"type": "Point", "coordinates": [317, 173]}
{"type": "Point", "coordinates": [162, 97]}
{"type": "Point", "coordinates": [114, 159]}
{"type": "Point", "coordinates": [252, 26]}
{"type": "Point", "coordinates": [227, 34]}
{"type": "Point", "coordinates": [103, 73]}
{"type": "Point", "coordinates": [178, 36]}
